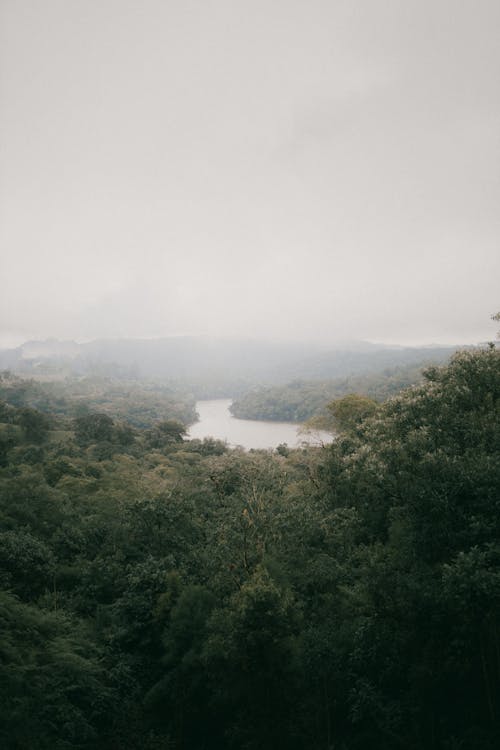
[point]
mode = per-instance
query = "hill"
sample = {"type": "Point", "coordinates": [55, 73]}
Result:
{"type": "Point", "coordinates": [214, 367]}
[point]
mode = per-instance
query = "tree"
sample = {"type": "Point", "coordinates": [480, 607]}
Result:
{"type": "Point", "coordinates": [420, 595]}
{"type": "Point", "coordinates": [165, 433]}
{"type": "Point", "coordinates": [349, 412]}
{"type": "Point", "coordinates": [34, 423]}
{"type": "Point", "coordinates": [250, 652]}
{"type": "Point", "coordinates": [91, 428]}
{"type": "Point", "coordinates": [53, 691]}
{"type": "Point", "coordinates": [496, 317]}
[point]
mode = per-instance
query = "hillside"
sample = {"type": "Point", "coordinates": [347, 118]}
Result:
{"type": "Point", "coordinates": [227, 366]}
{"type": "Point", "coordinates": [300, 400]}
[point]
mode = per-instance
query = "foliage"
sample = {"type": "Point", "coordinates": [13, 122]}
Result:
{"type": "Point", "coordinates": [139, 404]}
{"type": "Point", "coordinates": [301, 400]}
{"type": "Point", "coordinates": [161, 593]}
{"type": "Point", "coordinates": [347, 414]}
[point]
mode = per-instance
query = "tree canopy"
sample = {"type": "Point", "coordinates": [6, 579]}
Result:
{"type": "Point", "coordinates": [160, 593]}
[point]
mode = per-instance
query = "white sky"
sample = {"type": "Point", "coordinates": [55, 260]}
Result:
{"type": "Point", "coordinates": [316, 169]}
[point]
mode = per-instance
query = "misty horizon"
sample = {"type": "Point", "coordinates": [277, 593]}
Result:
{"type": "Point", "coordinates": [10, 343]}
{"type": "Point", "coordinates": [281, 171]}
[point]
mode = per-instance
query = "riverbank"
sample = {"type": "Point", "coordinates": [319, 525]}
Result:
{"type": "Point", "coordinates": [215, 420]}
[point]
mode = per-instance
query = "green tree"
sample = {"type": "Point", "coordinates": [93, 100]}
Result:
{"type": "Point", "coordinates": [419, 597]}
{"type": "Point", "coordinates": [91, 428]}
{"type": "Point", "coordinates": [34, 423]}
{"type": "Point", "coordinates": [166, 433]}
{"type": "Point", "coordinates": [349, 412]}
{"type": "Point", "coordinates": [53, 688]}
{"type": "Point", "coordinates": [251, 653]}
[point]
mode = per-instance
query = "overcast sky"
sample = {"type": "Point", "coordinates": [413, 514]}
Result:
{"type": "Point", "coordinates": [312, 169]}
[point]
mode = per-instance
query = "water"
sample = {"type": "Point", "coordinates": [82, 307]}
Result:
{"type": "Point", "coordinates": [217, 421]}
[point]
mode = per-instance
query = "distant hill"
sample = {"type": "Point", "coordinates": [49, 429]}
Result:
{"type": "Point", "coordinates": [207, 360]}
{"type": "Point", "coordinates": [300, 400]}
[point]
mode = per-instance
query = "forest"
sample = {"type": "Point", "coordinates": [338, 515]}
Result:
{"type": "Point", "coordinates": [160, 593]}
{"type": "Point", "coordinates": [212, 367]}
{"type": "Point", "coordinates": [302, 400]}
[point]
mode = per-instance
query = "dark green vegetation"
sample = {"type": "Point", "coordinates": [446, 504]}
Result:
{"type": "Point", "coordinates": [138, 403]}
{"type": "Point", "coordinates": [164, 594]}
{"type": "Point", "coordinates": [302, 399]}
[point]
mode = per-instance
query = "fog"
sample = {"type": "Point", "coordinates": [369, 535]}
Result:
{"type": "Point", "coordinates": [283, 169]}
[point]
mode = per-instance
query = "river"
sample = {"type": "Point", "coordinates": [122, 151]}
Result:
{"type": "Point", "coordinates": [217, 421]}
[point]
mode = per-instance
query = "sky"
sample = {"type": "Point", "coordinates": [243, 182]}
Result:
{"type": "Point", "coordinates": [293, 169]}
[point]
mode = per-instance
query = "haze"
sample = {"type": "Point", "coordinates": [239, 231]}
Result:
{"type": "Point", "coordinates": [297, 170]}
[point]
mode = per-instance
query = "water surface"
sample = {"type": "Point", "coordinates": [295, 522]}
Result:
{"type": "Point", "coordinates": [217, 421]}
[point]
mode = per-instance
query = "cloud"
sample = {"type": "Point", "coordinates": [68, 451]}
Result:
{"type": "Point", "coordinates": [315, 170]}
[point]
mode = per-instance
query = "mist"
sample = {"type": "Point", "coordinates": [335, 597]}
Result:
{"type": "Point", "coordinates": [277, 170]}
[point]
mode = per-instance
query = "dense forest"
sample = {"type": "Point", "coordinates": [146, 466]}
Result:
{"type": "Point", "coordinates": [138, 403]}
{"type": "Point", "coordinates": [300, 400]}
{"type": "Point", "coordinates": [212, 367]}
{"type": "Point", "coordinates": [160, 593]}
